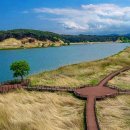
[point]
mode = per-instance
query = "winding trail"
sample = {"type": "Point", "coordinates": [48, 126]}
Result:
{"type": "Point", "coordinates": [112, 75]}
{"type": "Point", "coordinates": [90, 93]}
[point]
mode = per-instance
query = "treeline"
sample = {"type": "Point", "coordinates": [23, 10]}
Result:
{"type": "Point", "coordinates": [23, 33]}
{"type": "Point", "coordinates": [42, 35]}
{"type": "Point", "coordinates": [89, 38]}
{"type": "Point", "coordinates": [125, 39]}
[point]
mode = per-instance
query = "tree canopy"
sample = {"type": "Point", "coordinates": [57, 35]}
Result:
{"type": "Point", "coordinates": [20, 69]}
{"type": "Point", "coordinates": [23, 33]}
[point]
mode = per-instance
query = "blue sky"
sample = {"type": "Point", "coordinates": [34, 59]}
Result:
{"type": "Point", "coordinates": [67, 16]}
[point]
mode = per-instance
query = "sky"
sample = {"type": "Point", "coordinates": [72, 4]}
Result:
{"type": "Point", "coordinates": [67, 16]}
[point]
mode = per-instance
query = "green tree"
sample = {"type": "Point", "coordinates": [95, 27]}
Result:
{"type": "Point", "coordinates": [20, 69]}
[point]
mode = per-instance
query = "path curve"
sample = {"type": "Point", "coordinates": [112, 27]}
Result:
{"type": "Point", "coordinates": [112, 75]}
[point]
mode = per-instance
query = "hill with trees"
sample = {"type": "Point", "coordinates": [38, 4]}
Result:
{"type": "Point", "coordinates": [27, 38]}
{"type": "Point", "coordinates": [35, 38]}
{"type": "Point", "coordinates": [23, 33]}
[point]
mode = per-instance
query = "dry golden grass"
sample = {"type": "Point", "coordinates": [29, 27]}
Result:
{"type": "Point", "coordinates": [122, 81]}
{"type": "Point", "coordinates": [114, 114]}
{"type": "Point", "coordinates": [11, 43]}
{"type": "Point", "coordinates": [83, 73]}
{"type": "Point", "coordinates": [14, 43]}
{"type": "Point", "coordinates": [40, 111]}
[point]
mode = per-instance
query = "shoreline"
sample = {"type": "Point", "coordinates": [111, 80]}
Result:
{"type": "Point", "coordinates": [101, 66]}
{"type": "Point", "coordinates": [78, 43]}
{"type": "Point", "coordinates": [42, 71]}
{"type": "Point", "coordinates": [29, 48]}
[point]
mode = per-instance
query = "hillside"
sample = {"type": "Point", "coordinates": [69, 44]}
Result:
{"type": "Point", "coordinates": [22, 33]}
{"type": "Point", "coordinates": [24, 38]}
{"type": "Point", "coordinates": [28, 42]}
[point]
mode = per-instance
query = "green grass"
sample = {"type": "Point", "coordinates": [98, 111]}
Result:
{"type": "Point", "coordinates": [83, 73]}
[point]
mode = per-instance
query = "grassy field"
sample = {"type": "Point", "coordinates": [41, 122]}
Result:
{"type": "Point", "coordinates": [84, 73]}
{"type": "Point", "coordinates": [23, 110]}
{"type": "Point", "coordinates": [114, 114]}
{"type": "Point", "coordinates": [121, 81]}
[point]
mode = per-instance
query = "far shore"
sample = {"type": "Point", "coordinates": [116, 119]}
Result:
{"type": "Point", "coordinates": [107, 42]}
{"type": "Point", "coordinates": [77, 43]}
{"type": "Point", "coordinates": [21, 48]}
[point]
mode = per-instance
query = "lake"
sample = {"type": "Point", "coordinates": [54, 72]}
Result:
{"type": "Point", "coordinates": [41, 59]}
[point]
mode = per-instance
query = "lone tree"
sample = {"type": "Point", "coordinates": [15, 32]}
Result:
{"type": "Point", "coordinates": [20, 69]}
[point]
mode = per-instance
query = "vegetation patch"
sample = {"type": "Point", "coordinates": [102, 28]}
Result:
{"type": "Point", "coordinates": [121, 81]}
{"type": "Point", "coordinates": [23, 110]}
{"type": "Point", "coordinates": [114, 114]}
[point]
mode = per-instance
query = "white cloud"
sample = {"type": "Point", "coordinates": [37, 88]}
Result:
{"type": "Point", "coordinates": [72, 25]}
{"type": "Point", "coordinates": [91, 18]}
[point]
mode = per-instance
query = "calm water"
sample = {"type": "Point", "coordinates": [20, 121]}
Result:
{"type": "Point", "coordinates": [52, 58]}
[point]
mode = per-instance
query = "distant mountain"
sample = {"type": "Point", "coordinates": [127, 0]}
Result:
{"type": "Point", "coordinates": [113, 35]}
{"type": "Point", "coordinates": [127, 34]}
